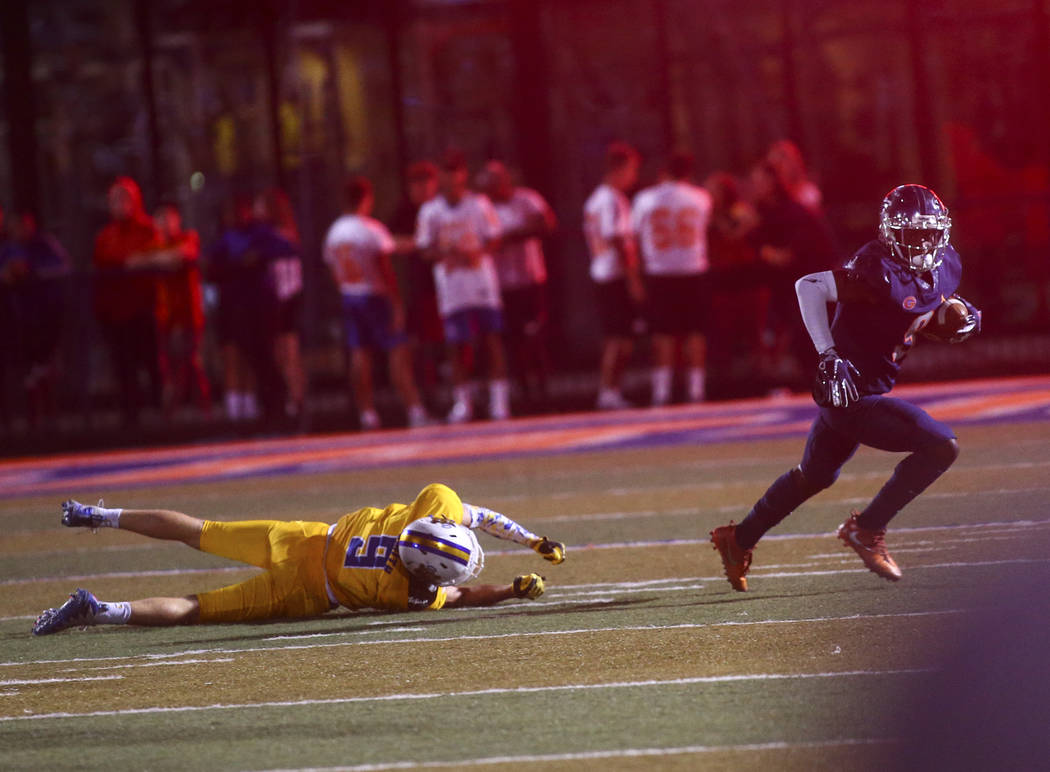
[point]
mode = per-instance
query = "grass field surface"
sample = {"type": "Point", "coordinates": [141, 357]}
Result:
{"type": "Point", "coordinates": [639, 656]}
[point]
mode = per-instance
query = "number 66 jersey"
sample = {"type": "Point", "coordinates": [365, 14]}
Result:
{"type": "Point", "coordinates": [361, 564]}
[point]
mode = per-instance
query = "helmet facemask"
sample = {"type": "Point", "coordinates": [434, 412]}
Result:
{"type": "Point", "coordinates": [915, 225]}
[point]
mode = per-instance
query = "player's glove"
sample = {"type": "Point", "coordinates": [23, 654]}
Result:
{"type": "Point", "coordinates": [554, 551]}
{"type": "Point", "coordinates": [528, 586]}
{"type": "Point", "coordinates": [833, 385]}
{"type": "Point", "coordinates": [971, 323]}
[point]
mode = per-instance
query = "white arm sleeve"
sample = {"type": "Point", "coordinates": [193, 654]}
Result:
{"type": "Point", "coordinates": [495, 524]}
{"type": "Point", "coordinates": [815, 291]}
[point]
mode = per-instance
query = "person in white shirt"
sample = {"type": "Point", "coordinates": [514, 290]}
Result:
{"type": "Point", "coordinates": [458, 231]}
{"type": "Point", "coordinates": [357, 249]}
{"type": "Point", "coordinates": [614, 267]}
{"type": "Point", "coordinates": [525, 218]}
{"type": "Point", "coordinates": [671, 220]}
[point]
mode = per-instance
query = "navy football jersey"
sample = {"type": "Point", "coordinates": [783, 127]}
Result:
{"type": "Point", "coordinates": [875, 327]}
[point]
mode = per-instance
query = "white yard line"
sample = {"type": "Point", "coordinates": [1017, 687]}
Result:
{"type": "Point", "coordinates": [621, 753]}
{"type": "Point", "coordinates": [489, 637]}
{"type": "Point", "coordinates": [41, 681]}
{"type": "Point", "coordinates": [474, 693]}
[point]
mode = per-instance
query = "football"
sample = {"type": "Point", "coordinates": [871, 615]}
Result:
{"type": "Point", "coordinates": [948, 320]}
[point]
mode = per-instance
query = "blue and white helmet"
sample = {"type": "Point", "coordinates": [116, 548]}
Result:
{"type": "Point", "coordinates": [915, 225]}
{"type": "Point", "coordinates": [440, 551]}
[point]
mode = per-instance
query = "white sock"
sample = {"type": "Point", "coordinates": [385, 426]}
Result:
{"type": "Point", "coordinates": [112, 613]}
{"type": "Point", "coordinates": [461, 394]}
{"type": "Point", "coordinates": [250, 406]}
{"type": "Point", "coordinates": [697, 377]}
{"type": "Point", "coordinates": [233, 405]}
{"type": "Point", "coordinates": [662, 377]}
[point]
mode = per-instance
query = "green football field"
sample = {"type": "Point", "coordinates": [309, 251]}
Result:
{"type": "Point", "coordinates": [639, 656]}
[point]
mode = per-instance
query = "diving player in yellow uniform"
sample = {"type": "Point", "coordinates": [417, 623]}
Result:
{"type": "Point", "coordinates": [404, 557]}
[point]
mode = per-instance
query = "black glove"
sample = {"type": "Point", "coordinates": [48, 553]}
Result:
{"type": "Point", "coordinates": [833, 385]}
{"type": "Point", "coordinates": [551, 550]}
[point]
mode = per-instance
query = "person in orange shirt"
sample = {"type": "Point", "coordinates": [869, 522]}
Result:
{"type": "Point", "coordinates": [180, 310]}
{"type": "Point", "coordinates": [125, 294]}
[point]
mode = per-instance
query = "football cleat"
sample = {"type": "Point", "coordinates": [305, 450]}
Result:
{"type": "Point", "coordinates": [80, 609]}
{"type": "Point", "coordinates": [871, 546]}
{"type": "Point", "coordinates": [77, 515]}
{"type": "Point", "coordinates": [609, 399]}
{"type": "Point", "coordinates": [736, 561]}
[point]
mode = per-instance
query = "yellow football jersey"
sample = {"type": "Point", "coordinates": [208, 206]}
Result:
{"type": "Point", "coordinates": [362, 565]}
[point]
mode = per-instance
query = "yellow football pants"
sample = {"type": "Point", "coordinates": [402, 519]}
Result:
{"type": "Point", "coordinates": [293, 583]}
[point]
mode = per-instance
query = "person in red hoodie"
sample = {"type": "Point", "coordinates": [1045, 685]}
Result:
{"type": "Point", "coordinates": [125, 294]}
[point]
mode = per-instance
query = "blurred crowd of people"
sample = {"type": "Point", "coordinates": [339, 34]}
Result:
{"type": "Point", "coordinates": [450, 293]}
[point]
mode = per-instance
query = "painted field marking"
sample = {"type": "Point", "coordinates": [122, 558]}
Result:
{"type": "Point", "coordinates": [1006, 525]}
{"type": "Point", "coordinates": [155, 664]}
{"type": "Point", "coordinates": [41, 681]}
{"type": "Point", "coordinates": [736, 678]}
{"type": "Point", "coordinates": [622, 753]}
{"type": "Point", "coordinates": [488, 637]}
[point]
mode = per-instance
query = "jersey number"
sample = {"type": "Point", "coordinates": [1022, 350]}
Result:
{"type": "Point", "coordinates": [675, 227]}
{"type": "Point", "coordinates": [909, 337]}
{"type": "Point", "coordinates": [374, 554]}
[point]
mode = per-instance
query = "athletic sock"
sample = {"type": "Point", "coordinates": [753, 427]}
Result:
{"type": "Point", "coordinates": [112, 613]}
{"type": "Point", "coordinates": [662, 377]}
{"type": "Point", "coordinates": [697, 378]}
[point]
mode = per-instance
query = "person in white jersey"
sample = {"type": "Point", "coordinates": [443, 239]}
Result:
{"type": "Point", "coordinates": [357, 250]}
{"type": "Point", "coordinates": [671, 220]}
{"type": "Point", "coordinates": [525, 218]}
{"type": "Point", "coordinates": [458, 231]}
{"type": "Point", "coordinates": [614, 267]}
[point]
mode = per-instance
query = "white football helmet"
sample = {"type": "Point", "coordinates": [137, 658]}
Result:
{"type": "Point", "coordinates": [440, 551]}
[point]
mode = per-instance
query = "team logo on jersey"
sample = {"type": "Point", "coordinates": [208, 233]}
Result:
{"type": "Point", "coordinates": [909, 302]}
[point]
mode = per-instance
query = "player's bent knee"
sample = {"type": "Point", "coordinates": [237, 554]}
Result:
{"type": "Point", "coordinates": [944, 453]}
{"type": "Point", "coordinates": [811, 483]}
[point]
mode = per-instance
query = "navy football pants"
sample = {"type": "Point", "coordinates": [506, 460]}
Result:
{"type": "Point", "coordinates": [879, 422]}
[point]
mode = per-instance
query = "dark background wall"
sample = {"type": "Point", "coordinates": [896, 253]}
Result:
{"type": "Point", "coordinates": [198, 99]}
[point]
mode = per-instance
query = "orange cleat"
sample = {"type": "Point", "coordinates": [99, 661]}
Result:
{"type": "Point", "coordinates": [735, 560]}
{"type": "Point", "coordinates": [871, 546]}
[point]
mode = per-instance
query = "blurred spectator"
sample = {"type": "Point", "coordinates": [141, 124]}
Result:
{"type": "Point", "coordinates": [240, 264]}
{"type": "Point", "coordinates": [791, 242]}
{"type": "Point", "coordinates": [422, 321]}
{"type": "Point", "coordinates": [525, 218]}
{"type": "Point", "coordinates": [357, 249]}
{"type": "Point", "coordinates": [785, 157]}
{"type": "Point", "coordinates": [458, 231]}
{"type": "Point", "coordinates": [35, 271]}
{"type": "Point", "coordinates": [614, 267]}
{"type": "Point", "coordinates": [180, 310]}
{"type": "Point", "coordinates": [671, 220]}
{"type": "Point", "coordinates": [274, 208]}
{"type": "Point", "coordinates": [125, 295]}
{"type": "Point", "coordinates": [8, 270]}
{"type": "Point", "coordinates": [740, 296]}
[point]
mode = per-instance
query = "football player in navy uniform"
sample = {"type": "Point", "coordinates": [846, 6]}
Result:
{"type": "Point", "coordinates": [889, 291]}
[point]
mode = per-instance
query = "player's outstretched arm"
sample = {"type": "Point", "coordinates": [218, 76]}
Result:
{"type": "Point", "coordinates": [529, 586]}
{"type": "Point", "coordinates": [502, 527]}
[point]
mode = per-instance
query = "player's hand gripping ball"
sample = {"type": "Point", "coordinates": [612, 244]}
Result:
{"type": "Point", "coordinates": [528, 586]}
{"type": "Point", "coordinates": [953, 321]}
{"type": "Point", "coordinates": [551, 550]}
